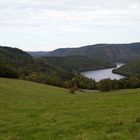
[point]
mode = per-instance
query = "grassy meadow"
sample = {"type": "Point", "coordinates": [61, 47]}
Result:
{"type": "Point", "coordinates": [31, 111]}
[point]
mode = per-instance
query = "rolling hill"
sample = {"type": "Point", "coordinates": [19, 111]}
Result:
{"type": "Point", "coordinates": [38, 53]}
{"type": "Point", "coordinates": [14, 56]}
{"type": "Point", "coordinates": [101, 52]}
{"type": "Point", "coordinates": [15, 63]}
{"type": "Point", "coordinates": [76, 63]}
{"type": "Point", "coordinates": [31, 111]}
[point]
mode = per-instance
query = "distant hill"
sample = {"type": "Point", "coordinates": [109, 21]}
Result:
{"type": "Point", "coordinates": [91, 56]}
{"type": "Point", "coordinates": [12, 62]}
{"type": "Point", "coordinates": [15, 63]}
{"type": "Point", "coordinates": [38, 53]}
{"type": "Point", "coordinates": [76, 63]}
{"type": "Point", "coordinates": [101, 52]}
{"type": "Point", "coordinates": [14, 56]}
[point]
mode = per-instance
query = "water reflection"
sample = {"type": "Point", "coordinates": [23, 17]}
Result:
{"type": "Point", "coordinates": [103, 74]}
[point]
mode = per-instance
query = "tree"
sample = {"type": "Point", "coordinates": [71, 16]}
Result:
{"type": "Point", "coordinates": [72, 90]}
{"type": "Point", "coordinates": [7, 72]}
{"type": "Point", "coordinates": [123, 83]}
{"type": "Point", "coordinates": [115, 84]}
{"type": "Point", "coordinates": [134, 82]}
{"type": "Point", "coordinates": [105, 85]}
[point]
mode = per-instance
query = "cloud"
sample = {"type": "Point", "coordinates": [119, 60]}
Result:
{"type": "Point", "coordinates": [67, 15]}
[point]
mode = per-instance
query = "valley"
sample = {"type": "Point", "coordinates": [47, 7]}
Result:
{"type": "Point", "coordinates": [48, 98]}
{"type": "Point", "coordinates": [70, 70]}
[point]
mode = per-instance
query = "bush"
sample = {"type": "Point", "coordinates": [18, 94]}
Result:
{"type": "Point", "coordinates": [84, 82]}
{"type": "Point", "coordinates": [105, 85]}
{"type": "Point", "coordinates": [72, 91]}
{"type": "Point", "coordinates": [138, 120]}
{"type": "Point", "coordinates": [134, 82]}
{"type": "Point", "coordinates": [8, 72]}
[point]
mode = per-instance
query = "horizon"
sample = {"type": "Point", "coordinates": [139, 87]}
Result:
{"type": "Point", "coordinates": [84, 46]}
{"type": "Point", "coordinates": [40, 25]}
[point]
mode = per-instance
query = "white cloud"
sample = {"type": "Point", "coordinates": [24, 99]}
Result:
{"type": "Point", "coordinates": [48, 15]}
{"type": "Point", "coordinates": [74, 21]}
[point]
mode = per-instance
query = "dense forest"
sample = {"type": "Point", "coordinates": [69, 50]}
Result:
{"type": "Point", "coordinates": [14, 57]}
{"type": "Point", "coordinates": [76, 63]}
{"type": "Point", "coordinates": [130, 69]}
{"type": "Point", "coordinates": [99, 52]}
{"type": "Point", "coordinates": [64, 71]}
{"type": "Point", "coordinates": [15, 63]}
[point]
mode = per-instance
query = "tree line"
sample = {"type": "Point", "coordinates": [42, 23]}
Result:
{"type": "Point", "coordinates": [15, 63]}
{"type": "Point", "coordinates": [68, 80]}
{"type": "Point", "coordinates": [106, 85]}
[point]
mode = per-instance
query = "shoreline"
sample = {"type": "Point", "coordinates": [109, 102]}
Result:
{"type": "Point", "coordinates": [99, 74]}
{"type": "Point", "coordinates": [94, 69]}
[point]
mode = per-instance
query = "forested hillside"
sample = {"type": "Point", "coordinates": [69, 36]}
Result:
{"type": "Point", "coordinates": [103, 52]}
{"type": "Point", "coordinates": [12, 61]}
{"type": "Point", "coordinates": [15, 63]}
{"type": "Point", "coordinates": [130, 69]}
{"type": "Point", "coordinates": [64, 71]}
{"type": "Point", "coordinates": [38, 53]}
{"type": "Point", "coordinates": [14, 56]}
{"type": "Point", "coordinates": [91, 57]}
{"type": "Point", "coordinates": [76, 63]}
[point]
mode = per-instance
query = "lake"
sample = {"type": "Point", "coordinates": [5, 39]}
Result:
{"type": "Point", "coordinates": [103, 74]}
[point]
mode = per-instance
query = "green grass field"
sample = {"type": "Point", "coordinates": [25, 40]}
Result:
{"type": "Point", "coordinates": [31, 111]}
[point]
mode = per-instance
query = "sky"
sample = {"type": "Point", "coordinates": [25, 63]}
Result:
{"type": "Point", "coordinates": [44, 25]}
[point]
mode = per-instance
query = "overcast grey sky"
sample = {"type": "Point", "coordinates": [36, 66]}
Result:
{"type": "Point", "coordinates": [50, 24]}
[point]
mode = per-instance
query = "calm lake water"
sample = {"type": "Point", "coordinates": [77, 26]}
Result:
{"type": "Point", "coordinates": [103, 74]}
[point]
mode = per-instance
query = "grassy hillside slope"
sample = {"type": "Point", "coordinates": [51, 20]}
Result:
{"type": "Point", "coordinates": [31, 111]}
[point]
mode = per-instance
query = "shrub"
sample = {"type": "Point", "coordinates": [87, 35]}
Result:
{"type": "Point", "coordinates": [138, 120]}
{"type": "Point", "coordinates": [72, 90]}
{"type": "Point", "coordinates": [8, 72]}
{"type": "Point", "coordinates": [105, 85]}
